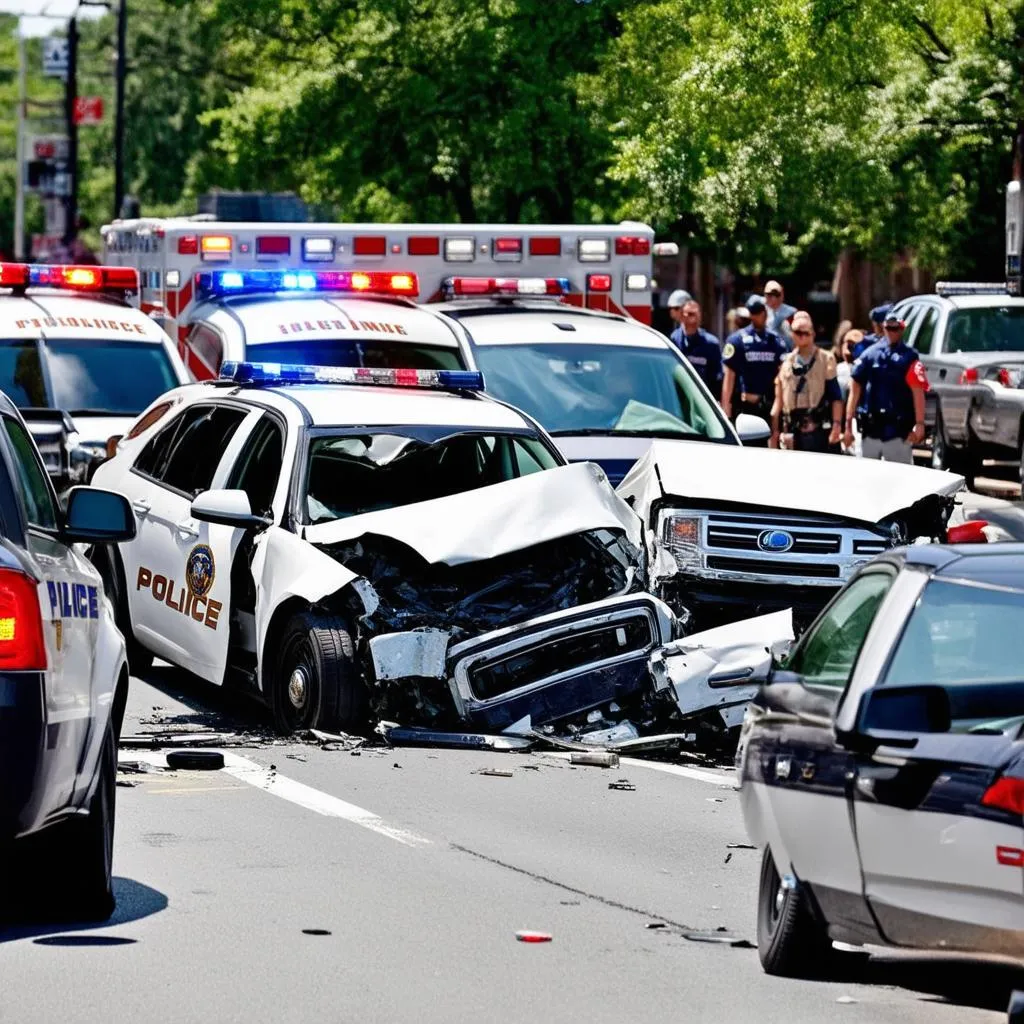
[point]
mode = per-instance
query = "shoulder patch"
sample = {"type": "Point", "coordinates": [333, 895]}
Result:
{"type": "Point", "coordinates": [729, 351]}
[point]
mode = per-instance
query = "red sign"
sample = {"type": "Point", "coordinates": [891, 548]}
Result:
{"type": "Point", "coordinates": [88, 109]}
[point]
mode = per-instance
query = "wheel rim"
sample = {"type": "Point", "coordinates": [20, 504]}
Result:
{"type": "Point", "coordinates": [298, 688]}
{"type": "Point", "coordinates": [773, 900]}
{"type": "Point", "coordinates": [298, 684]}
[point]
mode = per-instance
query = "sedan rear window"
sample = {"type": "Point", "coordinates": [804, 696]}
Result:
{"type": "Point", "coordinates": [987, 329]}
{"type": "Point", "coordinates": [356, 473]}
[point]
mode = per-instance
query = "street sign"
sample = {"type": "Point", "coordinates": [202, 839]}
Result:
{"type": "Point", "coordinates": [49, 147]}
{"type": "Point", "coordinates": [55, 57]}
{"type": "Point", "coordinates": [88, 109]}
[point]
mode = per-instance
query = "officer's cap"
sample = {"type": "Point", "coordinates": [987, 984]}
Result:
{"type": "Point", "coordinates": [879, 313]}
{"type": "Point", "coordinates": [680, 297]}
{"type": "Point", "coordinates": [756, 304]}
{"type": "Point", "coordinates": [893, 320]}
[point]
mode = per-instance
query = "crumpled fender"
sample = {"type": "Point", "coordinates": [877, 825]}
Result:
{"type": "Point", "coordinates": [721, 667]}
{"type": "Point", "coordinates": [285, 566]}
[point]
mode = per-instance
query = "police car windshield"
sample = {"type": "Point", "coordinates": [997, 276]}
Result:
{"type": "Point", "coordinates": [344, 352]}
{"type": "Point", "coordinates": [119, 378]}
{"type": "Point", "coordinates": [356, 473]}
{"type": "Point", "coordinates": [986, 329]}
{"type": "Point", "coordinates": [576, 388]}
{"type": "Point", "coordinates": [961, 633]}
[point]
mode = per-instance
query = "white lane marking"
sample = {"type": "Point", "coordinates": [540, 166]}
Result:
{"type": "Point", "coordinates": [697, 774]}
{"type": "Point", "coordinates": [256, 775]}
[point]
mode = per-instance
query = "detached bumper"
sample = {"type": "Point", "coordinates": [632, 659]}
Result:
{"type": "Point", "coordinates": [559, 665]}
{"type": "Point", "coordinates": [23, 779]}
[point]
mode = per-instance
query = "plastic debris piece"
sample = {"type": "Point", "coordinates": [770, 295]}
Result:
{"type": "Point", "coordinates": [622, 784]}
{"type": "Point", "coordinates": [497, 772]}
{"type": "Point", "coordinates": [597, 758]}
{"type": "Point", "coordinates": [195, 760]}
{"type": "Point", "coordinates": [527, 936]}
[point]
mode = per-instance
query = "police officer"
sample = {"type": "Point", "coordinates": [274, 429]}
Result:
{"type": "Point", "coordinates": [679, 298]}
{"type": "Point", "coordinates": [752, 358]}
{"type": "Point", "coordinates": [887, 389]}
{"type": "Point", "coordinates": [878, 315]}
{"type": "Point", "coordinates": [808, 410]}
{"type": "Point", "coordinates": [701, 347]}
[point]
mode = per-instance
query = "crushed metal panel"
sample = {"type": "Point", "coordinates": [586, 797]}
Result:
{"type": "Point", "coordinates": [421, 652]}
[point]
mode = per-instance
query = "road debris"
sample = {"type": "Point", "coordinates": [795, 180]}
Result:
{"type": "Point", "coordinates": [399, 736]}
{"type": "Point", "coordinates": [533, 936]}
{"type": "Point", "coordinates": [497, 772]}
{"type": "Point", "coordinates": [740, 846]}
{"type": "Point", "coordinates": [195, 760]}
{"type": "Point", "coordinates": [728, 857]}
{"type": "Point", "coordinates": [719, 939]}
{"type": "Point", "coordinates": [655, 924]}
{"type": "Point", "coordinates": [333, 740]}
{"type": "Point", "coordinates": [847, 999]}
{"type": "Point", "coordinates": [315, 931]}
{"type": "Point", "coordinates": [597, 758]}
{"type": "Point", "coordinates": [127, 784]}
{"type": "Point", "coordinates": [624, 784]}
{"type": "Point", "coordinates": [170, 738]}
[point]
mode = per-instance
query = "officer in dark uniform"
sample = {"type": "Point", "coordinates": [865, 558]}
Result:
{"type": "Point", "coordinates": [887, 387]}
{"type": "Point", "coordinates": [701, 347]}
{"type": "Point", "coordinates": [751, 365]}
{"type": "Point", "coordinates": [878, 315]}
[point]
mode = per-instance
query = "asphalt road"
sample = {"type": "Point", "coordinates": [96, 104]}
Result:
{"type": "Point", "coordinates": [421, 870]}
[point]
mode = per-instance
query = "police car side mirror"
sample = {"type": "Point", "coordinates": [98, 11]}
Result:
{"type": "Point", "coordinates": [894, 716]}
{"type": "Point", "coordinates": [94, 516]}
{"type": "Point", "coordinates": [228, 508]}
{"type": "Point", "coordinates": [752, 428]}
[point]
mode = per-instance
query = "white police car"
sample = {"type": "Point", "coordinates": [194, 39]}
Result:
{"type": "Point", "coordinates": [882, 765]}
{"type": "Point", "coordinates": [412, 549]}
{"type": "Point", "coordinates": [63, 687]}
{"type": "Point", "coordinates": [78, 360]}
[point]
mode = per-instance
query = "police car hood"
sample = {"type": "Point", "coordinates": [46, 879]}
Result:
{"type": "Point", "coordinates": [863, 490]}
{"type": "Point", "coordinates": [495, 520]}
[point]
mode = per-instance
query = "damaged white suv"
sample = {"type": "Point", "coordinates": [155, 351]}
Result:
{"type": "Point", "coordinates": [411, 550]}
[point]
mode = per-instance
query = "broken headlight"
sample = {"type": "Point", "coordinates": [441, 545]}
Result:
{"type": "Point", "coordinates": [682, 534]}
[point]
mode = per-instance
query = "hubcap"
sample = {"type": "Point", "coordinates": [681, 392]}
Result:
{"type": "Point", "coordinates": [780, 899]}
{"type": "Point", "coordinates": [298, 687]}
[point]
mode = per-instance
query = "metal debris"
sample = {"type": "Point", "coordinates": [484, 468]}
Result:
{"type": "Point", "coordinates": [170, 738]}
{"type": "Point", "coordinates": [622, 784]}
{"type": "Point", "coordinates": [533, 936]}
{"type": "Point", "coordinates": [740, 846]}
{"type": "Point", "coordinates": [497, 772]}
{"type": "Point", "coordinates": [336, 741]}
{"type": "Point", "coordinates": [597, 758]}
{"type": "Point", "coordinates": [719, 939]}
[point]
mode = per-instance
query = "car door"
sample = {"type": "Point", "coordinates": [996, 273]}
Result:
{"type": "Point", "coordinates": [793, 758]}
{"type": "Point", "coordinates": [177, 591]}
{"type": "Point", "coordinates": [69, 597]}
{"type": "Point", "coordinates": [938, 814]}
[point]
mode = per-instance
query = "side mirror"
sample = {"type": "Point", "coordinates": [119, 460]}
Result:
{"type": "Point", "coordinates": [896, 715]}
{"type": "Point", "coordinates": [94, 516]}
{"type": "Point", "coordinates": [752, 428]}
{"type": "Point", "coordinates": [228, 508]}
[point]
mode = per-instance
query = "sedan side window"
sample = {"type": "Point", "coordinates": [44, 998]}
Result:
{"type": "Point", "coordinates": [922, 341]}
{"type": "Point", "coordinates": [259, 466]}
{"type": "Point", "coordinates": [827, 654]}
{"type": "Point", "coordinates": [198, 448]}
{"type": "Point", "coordinates": [35, 491]}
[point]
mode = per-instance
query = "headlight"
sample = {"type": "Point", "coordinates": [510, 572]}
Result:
{"type": "Point", "coordinates": [682, 536]}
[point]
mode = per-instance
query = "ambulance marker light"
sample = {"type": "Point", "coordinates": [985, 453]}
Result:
{"type": "Point", "coordinates": [594, 250]}
{"type": "Point", "coordinates": [273, 245]}
{"type": "Point", "coordinates": [247, 282]}
{"type": "Point", "coordinates": [599, 282]}
{"type": "Point", "coordinates": [216, 247]}
{"type": "Point", "coordinates": [424, 245]}
{"type": "Point", "coordinates": [277, 374]}
{"type": "Point", "coordinates": [369, 245]}
{"type": "Point", "coordinates": [545, 246]}
{"type": "Point", "coordinates": [636, 282]}
{"type": "Point", "coordinates": [188, 245]}
{"type": "Point", "coordinates": [459, 250]}
{"type": "Point", "coordinates": [507, 286]}
{"type": "Point", "coordinates": [318, 250]}
{"type": "Point", "coordinates": [632, 245]}
{"type": "Point", "coordinates": [508, 245]}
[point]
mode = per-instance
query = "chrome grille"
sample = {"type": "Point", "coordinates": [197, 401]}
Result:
{"type": "Point", "coordinates": [744, 538]}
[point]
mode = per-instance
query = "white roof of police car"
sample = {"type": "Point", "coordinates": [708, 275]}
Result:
{"type": "Point", "coordinates": [344, 405]}
{"type": "Point", "coordinates": [540, 326]}
{"type": "Point", "coordinates": [984, 301]}
{"type": "Point", "coordinates": [263, 316]}
{"type": "Point", "coordinates": [37, 306]}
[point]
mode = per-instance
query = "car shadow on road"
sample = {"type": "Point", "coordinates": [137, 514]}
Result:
{"type": "Point", "coordinates": [135, 901]}
{"type": "Point", "coordinates": [953, 980]}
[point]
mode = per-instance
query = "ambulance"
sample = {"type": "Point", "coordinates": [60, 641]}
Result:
{"type": "Point", "coordinates": [346, 294]}
{"type": "Point", "coordinates": [79, 360]}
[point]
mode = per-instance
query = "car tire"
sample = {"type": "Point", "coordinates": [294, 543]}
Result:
{"type": "Point", "coordinates": [791, 941]}
{"type": "Point", "coordinates": [316, 683]}
{"type": "Point", "coordinates": [140, 659]}
{"type": "Point", "coordinates": [954, 460]}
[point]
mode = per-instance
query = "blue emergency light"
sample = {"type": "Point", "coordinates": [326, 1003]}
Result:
{"type": "Point", "coordinates": [220, 283]}
{"type": "Point", "coordinates": [276, 374]}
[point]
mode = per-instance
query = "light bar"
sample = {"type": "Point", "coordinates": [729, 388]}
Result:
{"type": "Point", "coordinates": [511, 286]}
{"type": "Point", "coordinates": [69, 277]}
{"type": "Point", "coordinates": [277, 374]}
{"type": "Point", "coordinates": [248, 282]}
{"type": "Point", "coordinates": [946, 288]}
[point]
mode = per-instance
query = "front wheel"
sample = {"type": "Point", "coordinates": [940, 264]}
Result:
{"type": "Point", "coordinates": [316, 683]}
{"type": "Point", "coordinates": [791, 942]}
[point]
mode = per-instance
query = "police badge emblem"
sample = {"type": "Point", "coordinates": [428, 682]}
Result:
{"type": "Point", "coordinates": [729, 351]}
{"type": "Point", "coordinates": [200, 570]}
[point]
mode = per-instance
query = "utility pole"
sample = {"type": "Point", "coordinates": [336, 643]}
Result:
{"type": "Point", "coordinates": [122, 58]}
{"type": "Point", "coordinates": [70, 94]}
{"type": "Point", "coordinates": [19, 185]}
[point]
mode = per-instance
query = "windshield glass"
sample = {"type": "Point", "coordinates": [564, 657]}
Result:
{"type": "Point", "coordinates": [351, 474]}
{"type": "Point", "coordinates": [622, 389]}
{"type": "Point", "coordinates": [988, 329]}
{"type": "Point", "coordinates": [961, 633]}
{"type": "Point", "coordinates": [116, 377]}
{"type": "Point", "coordinates": [345, 352]}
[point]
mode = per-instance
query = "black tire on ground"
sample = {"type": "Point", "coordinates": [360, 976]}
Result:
{"type": "Point", "coordinates": [791, 941]}
{"type": "Point", "coordinates": [195, 760]}
{"type": "Point", "coordinates": [315, 682]}
{"type": "Point", "coordinates": [139, 658]}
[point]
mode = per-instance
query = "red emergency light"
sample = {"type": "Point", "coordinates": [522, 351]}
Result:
{"type": "Point", "coordinates": [273, 245]}
{"type": "Point", "coordinates": [369, 245]}
{"type": "Point", "coordinates": [545, 245]}
{"type": "Point", "coordinates": [599, 282]}
{"type": "Point", "coordinates": [424, 245]}
{"type": "Point", "coordinates": [509, 286]}
{"type": "Point", "coordinates": [508, 246]}
{"type": "Point", "coordinates": [632, 245]}
{"type": "Point", "coordinates": [69, 277]}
